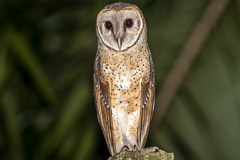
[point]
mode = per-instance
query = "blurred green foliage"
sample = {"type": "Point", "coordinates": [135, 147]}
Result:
{"type": "Point", "coordinates": [47, 51]}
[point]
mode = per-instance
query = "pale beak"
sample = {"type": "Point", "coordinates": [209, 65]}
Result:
{"type": "Point", "coordinates": [118, 35]}
{"type": "Point", "coordinates": [119, 41]}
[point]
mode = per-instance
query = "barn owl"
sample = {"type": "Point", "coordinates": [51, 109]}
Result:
{"type": "Point", "coordinates": [124, 80]}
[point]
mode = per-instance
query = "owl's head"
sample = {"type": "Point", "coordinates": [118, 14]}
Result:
{"type": "Point", "coordinates": [120, 26]}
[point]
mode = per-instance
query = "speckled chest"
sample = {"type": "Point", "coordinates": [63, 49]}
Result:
{"type": "Point", "coordinates": [124, 72]}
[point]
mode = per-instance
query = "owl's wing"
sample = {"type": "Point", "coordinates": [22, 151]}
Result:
{"type": "Point", "coordinates": [147, 106]}
{"type": "Point", "coordinates": [102, 101]}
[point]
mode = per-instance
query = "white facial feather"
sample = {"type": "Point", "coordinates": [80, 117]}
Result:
{"type": "Point", "coordinates": [120, 37]}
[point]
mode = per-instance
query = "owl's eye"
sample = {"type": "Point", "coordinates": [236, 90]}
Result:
{"type": "Point", "coordinates": [108, 25]}
{"type": "Point", "coordinates": [129, 23]}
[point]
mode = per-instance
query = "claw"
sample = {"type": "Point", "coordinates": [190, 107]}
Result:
{"type": "Point", "coordinates": [124, 149]}
{"type": "Point", "coordinates": [156, 149]}
{"type": "Point", "coordinates": [149, 150]}
{"type": "Point", "coordinates": [135, 148]}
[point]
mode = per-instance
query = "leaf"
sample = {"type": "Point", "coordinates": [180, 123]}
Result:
{"type": "Point", "coordinates": [74, 107]}
{"type": "Point", "coordinates": [9, 111]}
{"type": "Point", "coordinates": [5, 65]}
{"type": "Point", "coordinates": [25, 55]}
{"type": "Point", "coordinates": [205, 112]}
{"type": "Point", "coordinates": [85, 148]}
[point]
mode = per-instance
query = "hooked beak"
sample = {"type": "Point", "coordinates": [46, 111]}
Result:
{"type": "Point", "coordinates": [118, 34]}
{"type": "Point", "coordinates": [119, 42]}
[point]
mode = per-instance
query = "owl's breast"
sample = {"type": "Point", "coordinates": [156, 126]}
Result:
{"type": "Point", "coordinates": [124, 72]}
{"type": "Point", "coordinates": [125, 69]}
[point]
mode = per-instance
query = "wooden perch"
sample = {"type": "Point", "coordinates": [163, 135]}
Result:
{"type": "Point", "coordinates": [160, 155]}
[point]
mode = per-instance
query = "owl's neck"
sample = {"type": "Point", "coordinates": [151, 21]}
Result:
{"type": "Point", "coordinates": [103, 50]}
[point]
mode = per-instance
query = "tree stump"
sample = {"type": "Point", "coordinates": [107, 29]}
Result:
{"type": "Point", "coordinates": [130, 155]}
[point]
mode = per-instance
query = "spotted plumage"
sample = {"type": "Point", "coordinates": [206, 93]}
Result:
{"type": "Point", "coordinates": [123, 77]}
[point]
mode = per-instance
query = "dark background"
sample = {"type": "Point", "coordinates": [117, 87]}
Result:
{"type": "Point", "coordinates": [47, 51]}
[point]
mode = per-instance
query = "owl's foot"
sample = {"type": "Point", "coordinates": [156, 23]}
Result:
{"type": "Point", "coordinates": [135, 148]}
{"type": "Point", "coordinates": [124, 148]}
{"type": "Point", "coordinates": [149, 150]}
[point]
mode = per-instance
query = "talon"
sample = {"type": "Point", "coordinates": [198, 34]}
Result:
{"type": "Point", "coordinates": [149, 150]}
{"type": "Point", "coordinates": [124, 149]}
{"type": "Point", "coordinates": [156, 149]}
{"type": "Point", "coordinates": [135, 147]}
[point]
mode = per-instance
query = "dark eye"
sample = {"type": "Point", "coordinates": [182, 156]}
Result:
{"type": "Point", "coordinates": [108, 25]}
{"type": "Point", "coordinates": [129, 22]}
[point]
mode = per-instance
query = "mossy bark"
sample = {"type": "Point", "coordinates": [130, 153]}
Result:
{"type": "Point", "coordinates": [160, 155]}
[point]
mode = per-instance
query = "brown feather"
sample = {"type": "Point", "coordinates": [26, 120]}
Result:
{"type": "Point", "coordinates": [147, 106]}
{"type": "Point", "coordinates": [102, 100]}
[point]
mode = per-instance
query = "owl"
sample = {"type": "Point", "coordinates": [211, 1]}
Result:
{"type": "Point", "coordinates": [124, 80]}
